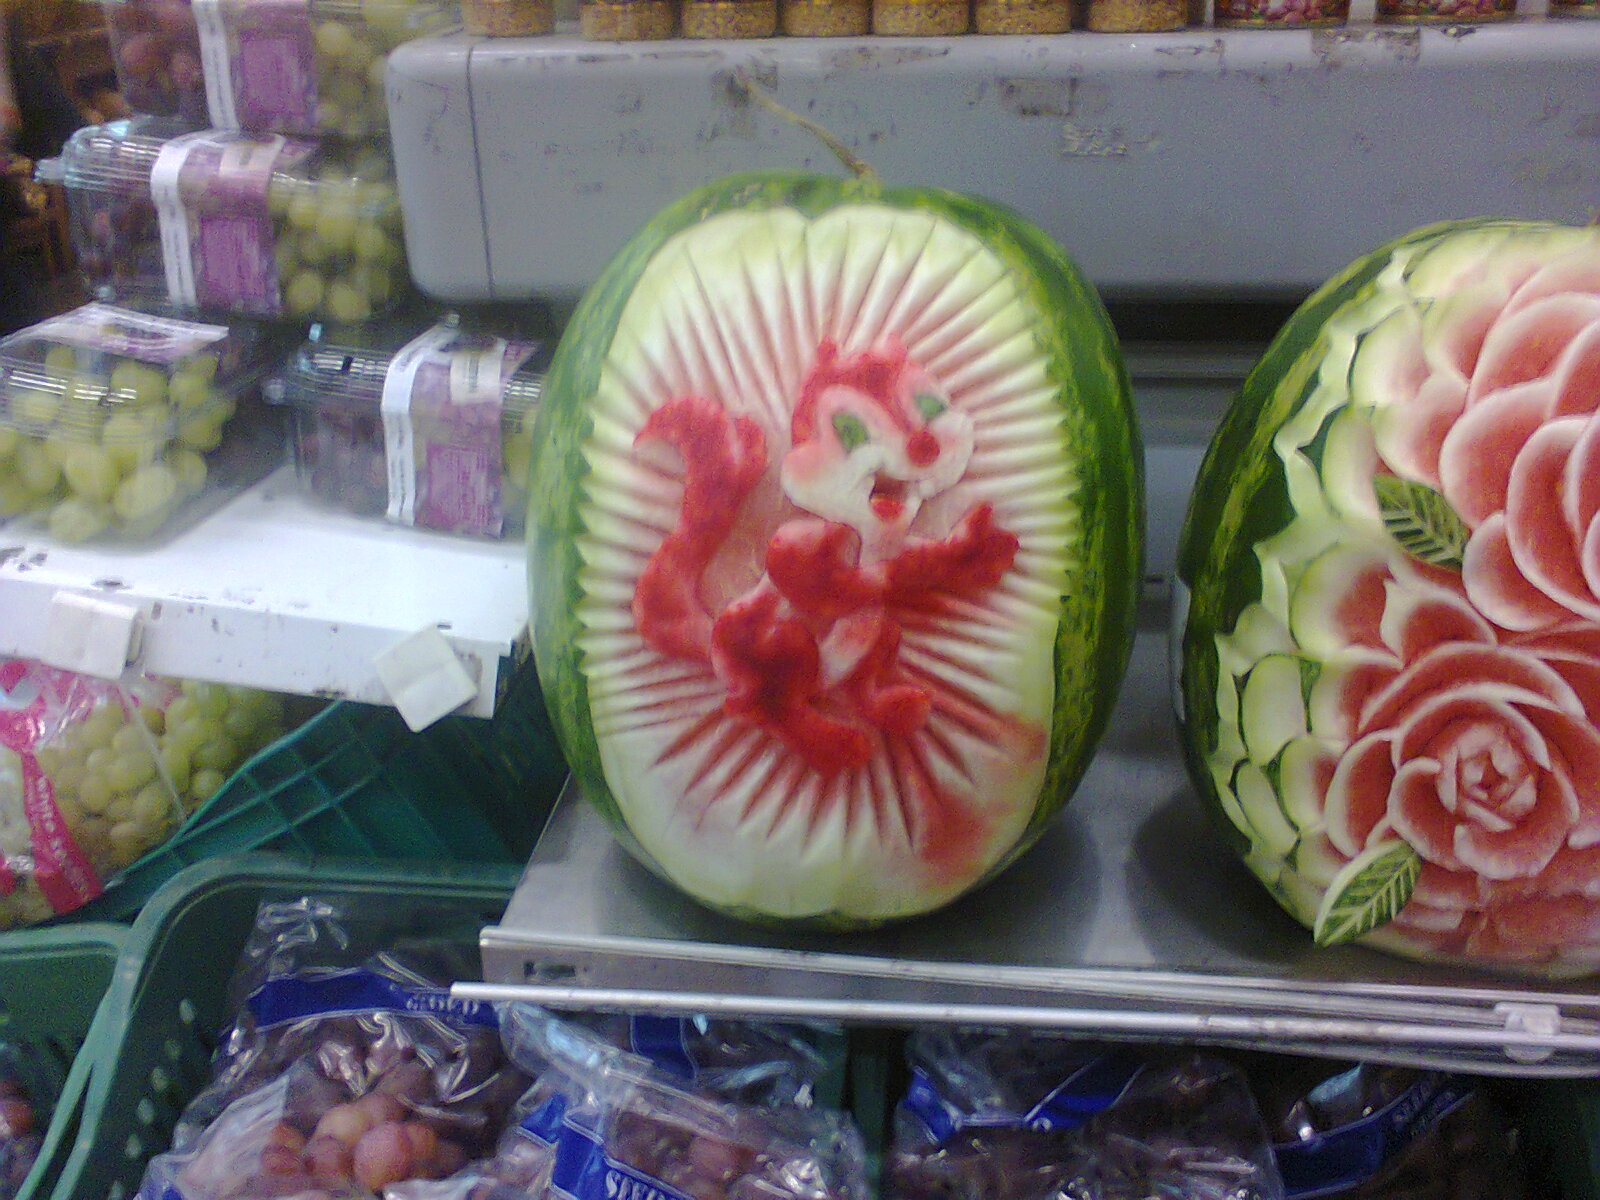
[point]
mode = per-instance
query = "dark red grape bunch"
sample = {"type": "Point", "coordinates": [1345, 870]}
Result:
{"type": "Point", "coordinates": [19, 1136]}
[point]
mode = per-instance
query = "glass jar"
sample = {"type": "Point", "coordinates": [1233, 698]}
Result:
{"type": "Point", "coordinates": [1136, 16]}
{"type": "Point", "coordinates": [627, 20]}
{"type": "Point", "coordinates": [825, 18]}
{"type": "Point", "coordinates": [1021, 16]}
{"type": "Point", "coordinates": [1445, 12]}
{"type": "Point", "coordinates": [920, 18]}
{"type": "Point", "coordinates": [1280, 14]}
{"type": "Point", "coordinates": [730, 18]}
{"type": "Point", "coordinates": [508, 18]}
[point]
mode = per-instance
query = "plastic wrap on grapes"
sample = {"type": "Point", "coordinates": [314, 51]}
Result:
{"type": "Point", "coordinates": [94, 774]}
{"type": "Point", "coordinates": [1010, 1115]}
{"type": "Point", "coordinates": [155, 47]}
{"type": "Point", "coordinates": [22, 1124]}
{"type": "Point", "coordinates": [357, 993]}
{"type": "Point", "coordinates": [601, 1121]}
{"type": "Point", "coordinates": [743, 1061]}
{"type": "Point", "coordinates": [1372, 1132]}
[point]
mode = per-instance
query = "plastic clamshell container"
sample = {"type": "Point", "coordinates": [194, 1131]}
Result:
{"type": "Point", "coordinates": [228, 222]}
{"type": "Point", "coordinates": [117, 425]}
{"type": "Point", "coordinates": [153, 1042]}
{"type": "Point", "coordinates": [155, 48]}
{"type": "Point", "coordinates": [52, 983]}
{"type": "Point", "coordinates": [310, 68]}
{"type": "Point", "coordinates": [425, 424]}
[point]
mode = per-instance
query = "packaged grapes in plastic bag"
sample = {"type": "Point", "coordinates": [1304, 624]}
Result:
{"type": "Point", "coordinates": [1008, 1115]}
{"type": "Point", "coordinates": [347, 1062]}
{"type": "Point", "coordinates": [22, 1117]}
{"type": "Point", "coordinates": [95, 773]}
{"type": "Point", "coordinates": [1363, 1131]}
{"type": "Point", "coordinates": [601, 1122]}
{"type": "Point", "coordinates": [421, 421]}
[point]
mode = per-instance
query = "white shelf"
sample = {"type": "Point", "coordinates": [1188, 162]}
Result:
{"type": "Point", "coordinates": [276, 592]}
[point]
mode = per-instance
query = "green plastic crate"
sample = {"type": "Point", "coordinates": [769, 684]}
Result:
{"type": "Point", "coordinates": [52, 982]}
{"type": "Point", "coordinates": [152, 1042]}
{"type": "Point", "coordinates": [354, 782]}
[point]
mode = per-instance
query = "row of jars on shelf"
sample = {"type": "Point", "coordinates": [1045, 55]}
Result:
{"type": "Point", "coordinates": [638, 20]}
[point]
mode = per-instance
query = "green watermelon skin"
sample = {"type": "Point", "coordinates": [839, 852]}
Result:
{"type": "Point", "coordinates": [1263, 573]}
{"type": "Point", "coordinates": [1097, 611]}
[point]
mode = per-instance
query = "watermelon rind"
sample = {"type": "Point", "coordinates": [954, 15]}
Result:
{"type": "Point", "coordinates": [1090, 513]}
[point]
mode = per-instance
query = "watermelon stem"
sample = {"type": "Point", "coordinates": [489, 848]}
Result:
{"type": "Point", "coordinates": [856, 165]}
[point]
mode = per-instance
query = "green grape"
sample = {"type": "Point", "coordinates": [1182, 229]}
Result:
{"type": "Point", "coordinates": [152, 718]}
{"type": "Point", "coordinates": [130, 739]}
{"type": "Point", "coordinates": [101, 725]}
{"type": "Point", "coordinates": [53, 758]}
{"type": "Point", "coordinates": [60, 362]}
{"type": "Point", "coordinates": [72, 521]}
{"type": "Point", "coordinates": [372, 245]}
{"type": "Point", "coordinates": [60, 444]}
{"type": "Point", "coordinates": [347, 302]}
{"type": "Point", "coordinates": [14, 498]}
{"type": "Point", "coordinates": [334, 39]}
{"type": "Point", "coordinates": [310, 249]}
{"type": "Point", "coordinates": [130, 772]}
{"type": "Point", "coordinates": [356, 125]}
{"type": "Point", "coordinates": [220, 753]}
{"type": "Point", "coordinates": [303, 296]}
{"type": "Point", "coordinates": [149, 492]}
{"type": "Point", "coordinates": [34, 408]}
{"type": "Point", "coordinates": [377, 71]}
{"type": "Point", "coordinates": [206, 783]}
{"type": "Point", "coordinates": [10, 439]}
{"type": "Point", "coordinates": [336, 227]}
{"type": "Point", "coordinates": [280, 194]}
{"type": "Point", "coordinates": [303, 210]}
{"type": "Point", "coordinates": [188, 390]}
{"type": "Point", "coordinates": [95, 793]}
{"type": "Point", "coordinates": [182, 710]}
{"type": "Point", "coordinates": [37, 469]}
{"type": "Point", "coordinates": [516, 459]}
{"type": "Point", "coordinates": [190, 468]}
{"type": "Point", "coordinates": [210, 698]}
{"type": "Point", "coordinates": [152, 805]}
{"type": "Point", "coordinates": [285, 254]}
{"type": "Point", "coordinates": [67, 805]}
{"type": "Point", "coordinates": [178, 767]}
{"type": "Point", "coordinates": [187, 736]}
{"type": "Point", "coordinates": [92, 471]}
{"type": "Point", "coordinates": [241, 724]}
{"type": "Point", "coordinates": [203, 365]}
{"type": "Point", "coordinates": [134, 436]}
{"type": "Point", "coordinates": [203, 432]}
{"type": "Point", "coordinates": [138, 383]}
{"type": "Point", "coordinates": [388, 19]}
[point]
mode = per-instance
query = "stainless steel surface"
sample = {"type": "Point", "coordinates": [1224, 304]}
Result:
{"type": "Point", "coordinates": [1131, 917]}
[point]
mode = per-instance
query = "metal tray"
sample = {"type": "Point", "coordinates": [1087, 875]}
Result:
{"type": "Point", "coordinates": [1130, 918]}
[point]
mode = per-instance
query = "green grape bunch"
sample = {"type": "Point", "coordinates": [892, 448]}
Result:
{"type": "Point", "coordinates": [97, 444]}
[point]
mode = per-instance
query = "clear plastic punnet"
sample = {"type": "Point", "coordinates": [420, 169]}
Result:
{"type": "Point", "coordinates": [117, 425]}
{"type": "Point", "coordinates": [426, 423]}
{"type": "Point", "coordinates": [308, 67]}
{"type": "Point", "coordinates": [227, 222]}
{"type": "Point", "coordinates": [155, 46]}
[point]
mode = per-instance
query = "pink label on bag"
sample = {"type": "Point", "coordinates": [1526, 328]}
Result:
{"type": "Point", "coordinates": [60, 869]}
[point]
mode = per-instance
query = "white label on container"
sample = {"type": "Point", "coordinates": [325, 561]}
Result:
{"type": "Point", "coordinates": [177, 252]}
{"type": "Point", "coordinates": [216, 63]}
{"type": "Point", "coordinates": [129, 334]}
{"type": "Point", "coordinates": [478, 376]}
{"type": "Point", "coordinates": [399, 441]}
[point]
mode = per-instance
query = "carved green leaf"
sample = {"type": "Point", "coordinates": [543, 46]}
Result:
{"type": "Point", "coordinates": [1421, 520]}
{"type": "Point", "coordinates": [1367, 892]}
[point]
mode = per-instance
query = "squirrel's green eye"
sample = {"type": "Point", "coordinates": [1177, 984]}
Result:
{"type": "Point", "coordinates": [852, 431]}
{"type": "Point", "coordinates": [929, 406]}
